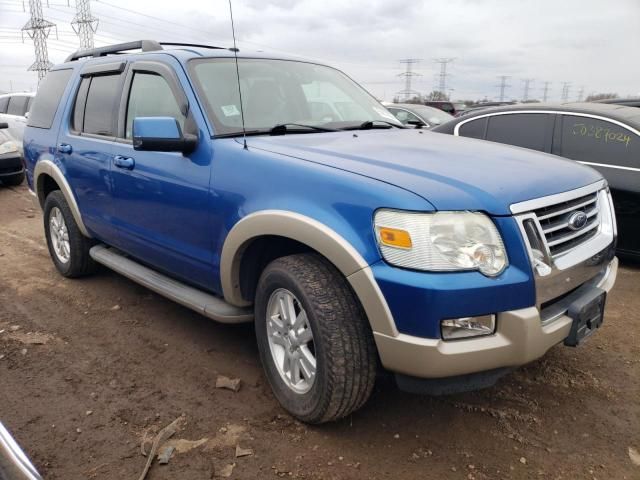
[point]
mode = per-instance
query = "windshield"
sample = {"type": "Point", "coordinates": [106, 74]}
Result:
{"type": "Point", "coordinates": [276, 92]}
{"type": "Point", "coordinates": [433, 116]}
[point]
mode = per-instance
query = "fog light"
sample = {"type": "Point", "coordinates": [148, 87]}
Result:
{"type": "Point", "coordinates": [455, 328]}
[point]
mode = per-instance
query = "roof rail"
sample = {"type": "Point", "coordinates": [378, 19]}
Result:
{"type": "Point", "coordinates": [144, 45]}
{"type": "Point", "coordinates": [197, 45]}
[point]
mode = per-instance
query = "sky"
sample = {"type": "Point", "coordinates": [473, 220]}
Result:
{"type": "Point", "coordinates": [589, 43]}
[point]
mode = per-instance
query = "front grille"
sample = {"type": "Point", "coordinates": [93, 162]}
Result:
{"type": "Point", "coordinates": [554, 220]}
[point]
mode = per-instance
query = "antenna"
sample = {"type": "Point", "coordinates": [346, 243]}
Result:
{"type": "Point", "coordinates": [235, 54]}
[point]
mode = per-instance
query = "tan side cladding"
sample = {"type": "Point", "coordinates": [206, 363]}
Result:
{"type": "Point", "coordinates": [317, 236]}
{"type": "Point", "coordinates": [47, 167]}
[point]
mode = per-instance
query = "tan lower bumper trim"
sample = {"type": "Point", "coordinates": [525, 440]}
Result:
{"type": "Point", "coordinates": [521, 338]}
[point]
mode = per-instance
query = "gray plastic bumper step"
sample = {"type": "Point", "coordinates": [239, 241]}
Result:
{"type": "Point", "coordinates": [202, 302]}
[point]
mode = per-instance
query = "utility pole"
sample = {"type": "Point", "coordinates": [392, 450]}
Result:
{"type": "Point", "coordinates": [545, 91]}
{"type": "Point", "coordinates": [527, 84]}
{"type": "Point", "coordinates": [565, 91]}
{"type": "Point", "coordinates": [408, 78]}
{"type": "Point", "coordinates": [84, 24]}
{"type": "Point", "coordinates": [581, 93]}
{"type": "Point", "coordinates": [503, 85]}
{"type": "Point", "coordinates": [442, 78]}
{"type": "Point", "coordinates": [38, 29]}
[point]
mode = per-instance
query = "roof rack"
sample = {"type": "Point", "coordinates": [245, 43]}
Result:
{"type": "Point", "coordinates": [197, 45]}
{"type": "Point", "coordinates": [144, 45]}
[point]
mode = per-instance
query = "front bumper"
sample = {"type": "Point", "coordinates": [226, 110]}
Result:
{"type": "Point", "coordinates": [10, 165]}
{"type": "Point", "coordinates": [522, 336]}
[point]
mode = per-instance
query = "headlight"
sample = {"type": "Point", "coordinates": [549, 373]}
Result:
{"type": "Point", "coordinates": [8, 147]}
{"type": "Point", "coordinates": [440, 241]}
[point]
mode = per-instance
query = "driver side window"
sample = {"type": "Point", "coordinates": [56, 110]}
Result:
{"type": "Point", "coordinates": [151, 96]}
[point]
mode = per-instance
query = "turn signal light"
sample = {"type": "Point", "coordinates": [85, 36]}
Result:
{"type": "Point", "coordinates": [393, 237]}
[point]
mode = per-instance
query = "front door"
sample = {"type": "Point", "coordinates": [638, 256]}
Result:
{"type": "Point", "coordinates": [161, 199]}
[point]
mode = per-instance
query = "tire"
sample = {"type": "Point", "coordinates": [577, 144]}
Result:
{"type": "Point", "coordinates": [342, 342]}
{"type": "Point", "coordinates": [78, 261]}
{"type": "Point", "coordinates": [14, 180]}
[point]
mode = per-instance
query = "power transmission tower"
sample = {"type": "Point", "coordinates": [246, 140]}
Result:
{"type": "Point", "coordinates": [84, 24]}
{"type": "Point", "coordinates": [503, 85]}
{"type": "Point", "coordinates": [545, 91]}
{"type": "Point", "coordinates": [38, 29]}
{"type": "Point", "coordinates": [581, 93]}
{"type": "Point", "coordinates": [527, 84]}
{"type": "Point", "coordinates": [565, 91]}
{"type": "Point", "coordinates": [442, 77]}
{"type": "Point", "coordinates": [408, 77]}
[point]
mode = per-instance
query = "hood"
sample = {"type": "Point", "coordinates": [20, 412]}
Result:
{"type": "Point", "coordinates": [451, 173]}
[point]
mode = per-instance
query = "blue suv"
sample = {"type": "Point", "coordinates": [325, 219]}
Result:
{"type": "Point", "coordinates": [276, 190]}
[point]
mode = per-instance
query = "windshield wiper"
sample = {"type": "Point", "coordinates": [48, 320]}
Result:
{"type": "Point", "coordinates": [283, 128]}
{"type": "Point", "coordinates": [369, 124]}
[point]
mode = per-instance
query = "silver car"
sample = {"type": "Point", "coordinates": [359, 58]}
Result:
{"type": "Point", "coordinates": [14, 110]}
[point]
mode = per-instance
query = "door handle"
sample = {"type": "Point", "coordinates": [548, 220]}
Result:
{"type": "Point", "coordinates": [124, 162]}
{"type": "Point", "coordinates": [65, 148]}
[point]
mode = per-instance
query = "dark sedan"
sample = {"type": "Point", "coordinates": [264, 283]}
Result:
{"type": "Point", "coordinates": [603, 136]}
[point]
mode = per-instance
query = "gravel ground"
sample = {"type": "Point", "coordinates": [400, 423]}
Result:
{"type": "Point", "coordinates": [89, 368]}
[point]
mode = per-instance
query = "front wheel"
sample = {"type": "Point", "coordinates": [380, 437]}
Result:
{"type": "Point", "coordinates": [315, 342]}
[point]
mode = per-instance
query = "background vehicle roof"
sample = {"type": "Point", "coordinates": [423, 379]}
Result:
{"type": "Point", "coordinates": [625, 114]}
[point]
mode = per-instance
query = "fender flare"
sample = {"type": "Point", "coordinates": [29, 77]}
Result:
{"type": "Point", "coordinates": [317, 236]}
{"type": "Point", "coordinates": [47, 167]}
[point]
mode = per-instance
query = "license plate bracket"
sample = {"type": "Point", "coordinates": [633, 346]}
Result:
{"type": "Point", "coordinates": [587, 314]}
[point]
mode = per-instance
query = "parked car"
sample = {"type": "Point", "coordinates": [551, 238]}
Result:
{"type": "Point", "coordinates": [452, 108]}
{"type": "Point", "coordinates": [479, 106]}
{"type": "Point", "coordinates": [627, 102]}
{"type": "Point", "coordinates": [14, 464]}
{"type": "Point", "coordinates": [14, 110]}
{"type": "Point", "coordinates": [605, 137]}
{"type": "Point", "coordinates": [11, 167]}
{"type": "Point", "coordinates": [416, 114]}
{"type": "Point", "coordinates": [347, 242]}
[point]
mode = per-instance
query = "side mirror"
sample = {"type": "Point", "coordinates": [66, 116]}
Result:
{"type": "Point", "coordinates": [161, 134]}
{"type": "Point", "coordinates": [4, 125]}
{"type": "Point", "coordinates": [417, 123]}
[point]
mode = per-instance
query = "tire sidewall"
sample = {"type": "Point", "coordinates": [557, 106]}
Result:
{"type": "Point", "coordinates": [51, 202]}
{"type": "Point", "coordinates": [302, 405]}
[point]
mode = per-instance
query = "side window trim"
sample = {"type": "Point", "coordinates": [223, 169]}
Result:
{"type": "Point", "coordinates": [85, 95]}
{"type": "Point", "coordinates": [80, 100]}
{"type": "Point", "coordinates": [157, 68]}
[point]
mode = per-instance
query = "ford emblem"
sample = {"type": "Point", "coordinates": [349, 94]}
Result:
{"type": "Point", "coordinates": [577, 220]}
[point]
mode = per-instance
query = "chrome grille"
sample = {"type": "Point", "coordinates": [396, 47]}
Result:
{"type": "Point", "coordinates": [554, 220]}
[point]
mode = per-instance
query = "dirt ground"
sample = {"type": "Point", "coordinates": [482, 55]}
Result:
{"type": "Point", "coordinates": [97, 364]}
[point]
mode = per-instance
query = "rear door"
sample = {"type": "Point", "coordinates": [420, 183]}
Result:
{"type": "Point", "coordinates": [526, 130]}
{"type": "Point", "coordinates": [85, 145]}
{"type": "Point", "coordinates": [161, 199]}
{"type": "Point", "coordinates": [614, 150]}
{"type": "Point", "coordinates": [15, 116]}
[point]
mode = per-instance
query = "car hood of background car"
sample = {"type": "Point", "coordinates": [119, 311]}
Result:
{"type": "Point", "coordinates": [452, 173]}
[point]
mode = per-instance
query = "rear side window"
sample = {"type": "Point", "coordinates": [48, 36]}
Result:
{"type": "Point", "coordinates": [151, 96]}
{"type": "Point", "coordinates": [598, 141]}
{"type": "Point", "coordinates": [527, 130]}
{"type": "Point", "coordinates": [4, 101]}
{"type": "Point", "coordinates": [474, 128]}
{"type": "Point", "coordinates": [99, 111]}
{"type": "Point", "coordinates": [17, 105]}
{"type": "Point", "coordinates": [49, 96]}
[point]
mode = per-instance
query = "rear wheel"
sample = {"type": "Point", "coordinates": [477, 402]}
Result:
{"type": "Point", "coordinates": [68, 247]}
{"type": "Point", "coordinates": [14, 180]}
{"type": "Point", "coordinates": [315, 342]}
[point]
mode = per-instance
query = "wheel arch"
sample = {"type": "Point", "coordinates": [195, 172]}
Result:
{"type": "Point", "coordinates": [303, 233]}
{"type": "Point", "coordinates": [44, 174]}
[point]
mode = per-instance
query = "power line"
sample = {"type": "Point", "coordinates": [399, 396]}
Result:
{"type": "Point", "coordinates": [503, 85]}
{"type": "Point", "coordinates": [527, 83]}
{"type": "Point", "coordinates": [38, 29]}
{"type": "Point", "coordinates": [581, 93]}
{"type": "Point", "coordinates": [566, 86]}
{"type": "Point", "coordinates": [545, 91]}
{"type": "Point", "coordinates": [408, 77]}
{"type": "Point", "coordinates": [442, 82]}
{"type": "Point", "coordinates": [84, 24]}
